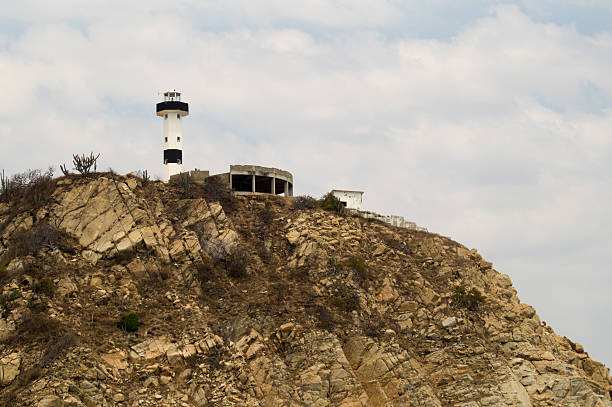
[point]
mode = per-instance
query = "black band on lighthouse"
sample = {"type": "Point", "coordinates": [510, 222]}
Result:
{"type": "Point", "coordinates": [172, 105]}
{"type": "Point", "coordinates": [173, 156]}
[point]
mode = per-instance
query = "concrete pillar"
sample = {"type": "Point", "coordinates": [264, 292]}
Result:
{"type": "Point", "coordinates": [253, 184]}
{"type": "Point", "coordinates": [273, 189]}
{"type": "Point", "coordinates": [230, 180]}
{"type": "Point", "coordinates": [286, 188]}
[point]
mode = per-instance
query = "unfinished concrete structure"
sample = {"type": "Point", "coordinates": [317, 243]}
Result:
{"type": "Point", "coordinates": [254, 179]}
{"type": "Point", "coordinates": [248, 179]}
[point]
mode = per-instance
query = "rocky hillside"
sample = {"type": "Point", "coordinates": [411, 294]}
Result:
{"type": "Point", "coordinates": [256, 301]}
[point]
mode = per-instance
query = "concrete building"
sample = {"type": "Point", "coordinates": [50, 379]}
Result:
{"type": "Point", "coordinates": [254, 179]}
{"type": "Point", "coordinates": [350, 199]}
{"type": "Point", "coordinates": [248, 179]}
{"type": "Point", "coordinates": [172, 110]}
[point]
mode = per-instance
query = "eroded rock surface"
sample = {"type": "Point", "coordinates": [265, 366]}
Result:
{"type": "Point", "coordinates": [321, 310]}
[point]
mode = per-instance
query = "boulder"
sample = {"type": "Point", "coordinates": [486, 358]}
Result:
{"type": "Point", "coordinates": [9, 368]}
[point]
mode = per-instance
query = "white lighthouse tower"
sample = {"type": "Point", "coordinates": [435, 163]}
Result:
{"type": "Point", "coordinates": [172, 111]}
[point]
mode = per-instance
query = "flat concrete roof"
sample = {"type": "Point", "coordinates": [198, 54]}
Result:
{"type": "Point", "coordinates": [346, 190]}
{"type": "Point", "coordinates": [262, 171]}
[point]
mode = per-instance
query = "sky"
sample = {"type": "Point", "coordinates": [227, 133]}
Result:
{"type": "Point", "coordinates": [485, 121]}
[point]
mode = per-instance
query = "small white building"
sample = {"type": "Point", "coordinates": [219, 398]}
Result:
{"type": "Point", "coordinates": [350, 199]}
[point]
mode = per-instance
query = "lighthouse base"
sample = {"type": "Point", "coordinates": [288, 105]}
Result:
{"type": "Point", "coordinates": [171, 169]}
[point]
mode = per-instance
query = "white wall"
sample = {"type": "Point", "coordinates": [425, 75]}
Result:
{"type": "Point", "coordinates": [352, 199]}
{"type": "Point", "coordinates": [173, 139]}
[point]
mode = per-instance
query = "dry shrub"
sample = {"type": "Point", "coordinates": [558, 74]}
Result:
{"type": "Point", "coordinates": [358, 266]}
{"type": "Point", "coordinates": [40, 236]}
{"type": "Point", "coordinates": [279, 292]}
{"type": "Point", "coordinates": [35, 326]}
{"type": "Point", "coordinates": [374, 325]}
{"type": "Point", "coordinates": [206, 271]}
{"type": "Point", "coordinates": [266, 214]}
{"type": "Point", "coordinates": [303, 202]}
{"type": "Point", "coordinates": [216, 190]}
{"type": "Point", "coordinates": [215, 357]}
{"type": "Point", "coordinates": [325, 318]}
{"type": "Point", "coordinates": [34, 187]}
{"type": "Point", "coordinates": [346, 302]}
{"type": "Point", "coordinates": [9, 399]}
{"type": "Point", "coordinates": [28, 376]}
{"type": "Point", "coordinates": [58, 347]}
{"type": "Point", "coordinates": [236, 263]}
{"type": "Point", "coordinates": [471, 300]}
{"type": "Point", "coordinates": [45, 287]}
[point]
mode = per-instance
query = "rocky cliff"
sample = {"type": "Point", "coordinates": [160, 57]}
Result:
{"type": "Point", "coordinates": [255, 301]}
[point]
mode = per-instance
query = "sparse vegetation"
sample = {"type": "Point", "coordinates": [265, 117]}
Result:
{"type": "Point", "coordinates": [470, 300]}
{"type": "Point", "coordinates": [9, 399]}
{"type": "Point", "coordinates": [35, 186]}
{"type": "Point", "coordinates": [57, 348]}
{"type": "Point", "coordinates": [216, 190]}
{"type": "Point", "coordinates": [129, 322]}
{"type": "Point", "coordinates": [145, 177]}
{"type": "Point", "coordinates": [333, 266]}
{"type": "Point", "coordinates": [206, 271]}
{"type": "Point", "coordinates": [325, 319]}
{"type": "Point", "coordinates": [35, 326]}
{"type": "Point", "coordinates": [182, 181]}
{"type": "Point", "coordinates": [84, 164]}
{"type": "Point", "coordinates": [346, 302]}
{"type": "Point", "coordinates": [5, 187]}
{"type": "Point", "coordinates": [374, 326]}
{"type": "Point", "coordinates": [236, 263]}
{"type": "Point", "coordinates": [266, 214]}
{"type": "Point", "coordinates": [65, 170]}
{"type": "Point", "coordinates": [41, 236]}
{"type": "Point", "coordinates": [45, 287]}
{"type": "Point", "coordinates": [358, 266]}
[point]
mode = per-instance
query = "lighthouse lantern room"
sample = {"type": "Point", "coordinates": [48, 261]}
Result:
{"type": "Point", "coordinates": [172, 111]}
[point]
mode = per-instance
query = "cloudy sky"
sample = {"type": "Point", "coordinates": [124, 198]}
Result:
{"type": "Point", "coordinates": [486, 121]}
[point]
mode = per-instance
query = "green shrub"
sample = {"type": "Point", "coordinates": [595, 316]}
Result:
{"type": "Point", "coordinates": [129, 322]}
{"type": "Point", "coordinates": [331, 203]}
{"type": "Point", "coordinates": [471, 300]}
{"type": "Point", "coordinates": [346, 303]}
{"type": "Point", "coordinates": [45, 287]}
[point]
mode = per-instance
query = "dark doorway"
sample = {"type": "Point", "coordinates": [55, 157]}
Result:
{"type": "Point", "coordinates": [263, 184]}
{"type": "Point", "coordinates": [279, 186]}
{"type": "Point", "coordinates": [242, 183]}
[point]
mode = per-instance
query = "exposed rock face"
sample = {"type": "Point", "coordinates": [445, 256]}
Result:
{"type": "Point", "coordinates": [334, 311]}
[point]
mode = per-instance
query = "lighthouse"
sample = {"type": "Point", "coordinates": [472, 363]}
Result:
{"type": "Point", "coordinates": [172, 110]}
